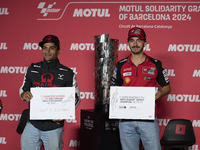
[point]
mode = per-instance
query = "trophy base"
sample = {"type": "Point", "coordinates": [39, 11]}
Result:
{"type": "Point", "coordinates": [98, 132]}
{"type": "Point", "coordinates": [102, 108]}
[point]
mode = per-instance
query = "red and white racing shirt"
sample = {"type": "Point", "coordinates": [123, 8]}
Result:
{"type": "Point", "coordinates": [147, 74]}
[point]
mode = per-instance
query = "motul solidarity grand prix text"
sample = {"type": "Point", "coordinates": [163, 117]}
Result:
{"type": "Point", "coordinates": [157, 12]}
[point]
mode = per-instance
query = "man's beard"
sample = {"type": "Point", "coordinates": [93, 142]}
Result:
{"type": "Point", "coordinates": [136, 53]}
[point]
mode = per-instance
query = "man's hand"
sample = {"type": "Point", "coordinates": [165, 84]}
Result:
{"type": "Point", "coordinates": [163, 91]}
{"type": "Point", "coordinates": [157, 95]}
{"type": "Point", "coordinates": [57, 120]}
{"type": "Point", "coordinates": [26, 96]}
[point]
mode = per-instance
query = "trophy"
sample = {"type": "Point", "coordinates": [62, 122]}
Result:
{"type": "Point", "coordinates": [106, 55]}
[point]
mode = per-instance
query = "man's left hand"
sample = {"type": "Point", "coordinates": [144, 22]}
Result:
{"type": "Point", "coordinates": [157, 95]}
{"type": "Point", "coordinates": [57, 120]}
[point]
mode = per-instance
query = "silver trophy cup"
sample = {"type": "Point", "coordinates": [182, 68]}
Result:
{"type": "Point", "coordinates": [106, 55]}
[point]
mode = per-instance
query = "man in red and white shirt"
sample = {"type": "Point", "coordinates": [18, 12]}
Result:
{"type": "Point", "coordinates": [139, 69]}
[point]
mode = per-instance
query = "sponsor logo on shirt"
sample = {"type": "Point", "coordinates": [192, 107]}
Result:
{"type": "Point", "coordinates": [127, 69]}
{"type": "Point", "coordinates": [148, 70]}
{"type": "Point", "coordinates": [147, 78]}
{"type": "Point", "coordinates": [127, 80]}
{"type": "Point", "coordinates": [127, 74]}
{"type": "Point", "coordinates": [165, 75]}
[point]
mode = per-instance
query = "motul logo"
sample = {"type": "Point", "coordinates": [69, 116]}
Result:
{"type": "Point", "coordinates": [184, 48]}
{"type": "Point", "coordinates": [3, 46]}
{"type": "Point", "coordinates": [91, 13]}
{"type": "Point", "coordinates": [3, 140]}
{"type": "Point", "coordinates": [74, 143]}
{"type": "Point", "coordinates": [87, 95]}
{"type": "Point", "coordinates": [3, 93]}
{"type": "Point", "coordinates": [196, 73]}
{"type": "Point", "coordinates": [82, 46]}
{"type": "Point", "coordinates": [125, 47]}
{"type": "Point", "coordinates": [170, 72]}
{"type": "Point", "coordinates": [183, 98]}
{"type": "Point", "coordinates": [31, 46]}
{"type": "Point", "coordinates": [10, 117]}
{"type": "Point", "coordinates": [13, 69]}
{"type": "Point", "coordinates": [4, 11]}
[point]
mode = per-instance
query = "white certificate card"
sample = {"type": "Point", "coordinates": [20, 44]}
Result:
{"type": "Point", "coordinates": [132, 103]}
{"type": "Point", "coordinates": [52, 103]}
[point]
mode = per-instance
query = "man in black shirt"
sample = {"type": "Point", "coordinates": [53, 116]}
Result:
{"type": "Point", "coordinates": [47, 73]}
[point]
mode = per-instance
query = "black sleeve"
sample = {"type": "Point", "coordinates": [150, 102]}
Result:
{"type": "Point", "coordinates": [117, 78]}
{"type": "Point", "coordinates": [27, 82]}
{"type": "Point", "coordinates": [162, 77]}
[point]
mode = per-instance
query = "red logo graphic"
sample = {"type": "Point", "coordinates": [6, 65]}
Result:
{"type": "Point", "coordinates": [48, 38]}
{"type": "Point", "coordinates": [45, 79]}
{"type": "Point", "coordinates": [180, 129]}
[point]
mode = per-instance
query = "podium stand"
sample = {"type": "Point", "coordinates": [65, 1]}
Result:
{"type": "Point", "coordinates": [98, 132]}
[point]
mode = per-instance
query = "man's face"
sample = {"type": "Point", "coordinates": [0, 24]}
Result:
{"type": "Point", "coordinates": [136, 45]}
{"type": "Point", "coordinates": [50, 52]}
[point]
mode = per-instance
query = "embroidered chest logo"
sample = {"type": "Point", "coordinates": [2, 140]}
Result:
{"type": "Point", "coordinates": [127, 74]}
{"type": "Point", "coordinates": [60, 76]}
{"type": "Point", "coordinates": [45, 77]}
{"type": "Point", "coordinates": [127, 80]}
{"type": "Point", "coordinates": [148, 70]}
{"type": "Point", "coordinates": [46, 81]}
{"type": "Point", "coordinates": [127, 69]}
{"type": "Point", "coordinates": [147, 78]}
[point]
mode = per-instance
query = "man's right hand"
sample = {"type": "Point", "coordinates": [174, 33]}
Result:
{"type": "Point", "coordinates": [26, 96]}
